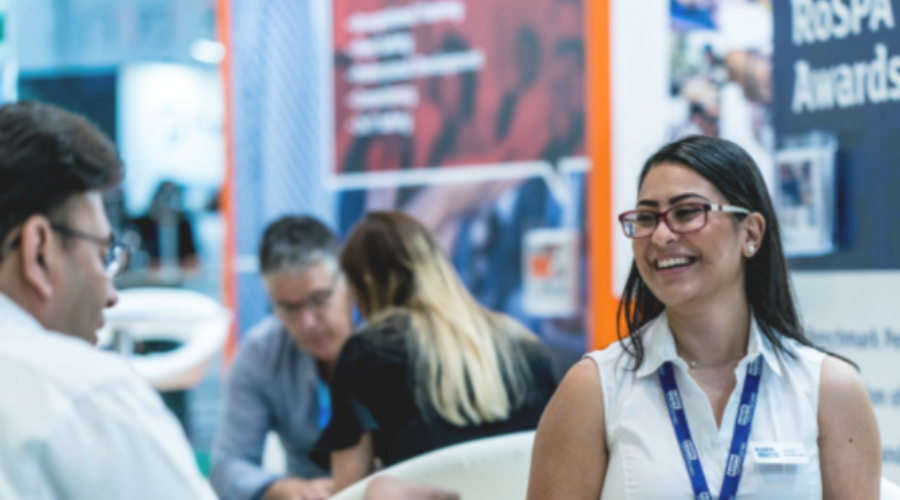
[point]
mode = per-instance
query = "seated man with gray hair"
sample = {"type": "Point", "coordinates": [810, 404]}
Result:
{"type": "Point", "coordinates": [279, 380]}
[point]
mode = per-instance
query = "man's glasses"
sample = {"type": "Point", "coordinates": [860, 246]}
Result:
{"type": "Point", "coordinates": [116, 259]}
{"type": "Point", "coordinates": [681, 219]}
{"type": "Point", "coordinates": [317, 302]}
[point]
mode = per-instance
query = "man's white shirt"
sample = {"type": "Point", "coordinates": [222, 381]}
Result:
{"type": "Point", "coordinates": [78, 423]}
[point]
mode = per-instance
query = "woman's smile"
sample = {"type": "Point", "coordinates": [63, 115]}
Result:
{"type": "Point", "coordinates": [673, 264]}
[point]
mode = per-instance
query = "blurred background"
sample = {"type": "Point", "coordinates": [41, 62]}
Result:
{"type": "Point", "coordinates": [482, 119]}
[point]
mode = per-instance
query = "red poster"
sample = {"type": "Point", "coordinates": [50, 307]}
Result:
{"type": "Point", "coordinates": [428, 86]}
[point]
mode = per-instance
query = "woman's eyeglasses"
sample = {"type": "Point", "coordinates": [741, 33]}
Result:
{"type": "Point", "coordinates": [681, 219]}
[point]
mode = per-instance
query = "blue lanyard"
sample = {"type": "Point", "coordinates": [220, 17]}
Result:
{"type": "Point", "coordinates": [324, 404]}
{"type": "Point", "coordinates": [735, 464]}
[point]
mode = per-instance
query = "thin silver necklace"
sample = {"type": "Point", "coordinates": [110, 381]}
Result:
{"type": "Point", "coordinates": [694, 364]}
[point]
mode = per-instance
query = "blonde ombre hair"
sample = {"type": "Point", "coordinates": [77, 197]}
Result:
{"type": "Point", "coordinates": [467, 362]}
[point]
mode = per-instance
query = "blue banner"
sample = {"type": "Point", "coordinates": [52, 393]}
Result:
{"type": "Point", "coordinates": [837, 70]}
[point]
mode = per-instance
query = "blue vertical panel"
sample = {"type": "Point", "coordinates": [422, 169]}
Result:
{"type": "Point", "coordinates": [279, 143]}
{"type": "Point", "coordinates": [868, 187]}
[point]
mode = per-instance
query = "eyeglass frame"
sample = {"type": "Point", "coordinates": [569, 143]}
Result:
{"type": "Point", "coordinates": [309, 302]}
{"type": "Point", "coordinates": [664, 215]}
{"type": "Point", "coordinates": [116, 252]}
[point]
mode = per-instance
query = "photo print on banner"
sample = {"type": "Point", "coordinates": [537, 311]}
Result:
{"type": "Point", "coordinates": [721, 74]}
{"type": "Point", "coordinates": [423, 87]}
{"type": "Point", "coordinates": [469, 115]}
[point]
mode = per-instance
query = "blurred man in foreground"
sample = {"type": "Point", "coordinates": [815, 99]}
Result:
{"type": "Point", "coordinates": [75, 423]}
{"type": "Point", "coordinates": [279, 380]}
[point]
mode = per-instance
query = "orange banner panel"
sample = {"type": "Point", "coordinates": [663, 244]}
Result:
{"type": "Point", "coordinates": [602, 301]}
{"type": "Point", "coordinates": [229, 290]}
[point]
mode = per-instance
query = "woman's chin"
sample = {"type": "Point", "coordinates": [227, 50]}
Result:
{"type": "Point", "coordinates": [674, 297]}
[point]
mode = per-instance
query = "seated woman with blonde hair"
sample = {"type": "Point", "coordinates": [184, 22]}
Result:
{"type": "Point", "coordinates": [431, 368]}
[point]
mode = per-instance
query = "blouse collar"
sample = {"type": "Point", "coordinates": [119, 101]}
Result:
{"type": "Point", "coordinates": [660, 347]}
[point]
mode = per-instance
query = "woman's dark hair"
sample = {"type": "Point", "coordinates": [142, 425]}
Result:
{"type": "Point", "coordinates": [734, 173]}
{"type": "Point", "coordinates": [47, 155]}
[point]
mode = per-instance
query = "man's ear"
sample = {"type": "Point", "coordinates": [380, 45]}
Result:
{"type": "Point", "coordinates": [754, 227]}
{"type": "Point", "coordinates": [36, 254]}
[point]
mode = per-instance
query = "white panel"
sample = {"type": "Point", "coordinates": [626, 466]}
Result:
{"type": "Point", "coordinates": [322, 12]}
{"type": "Point", "coordinates": [640, 103]}
{"type": "Point", "coordinates": [855, 314]}
{"type": "Point", "coordinates": [170, 128]}
{"type": "Point", "coordinates": [274, 458]}
{"type": "Point", "coordinates": [79, 35]}
{"type": "Point", "coordinates": [37, 44]}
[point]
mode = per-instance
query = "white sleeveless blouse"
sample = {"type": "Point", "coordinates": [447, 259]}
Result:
{"type": "Point", "coordinates": [645, 461]}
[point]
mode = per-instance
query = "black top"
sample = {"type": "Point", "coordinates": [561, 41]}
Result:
{"type": "Point", "coordinates": [150, 237]}
{"type": "Point", "coordinates": [372, 390]}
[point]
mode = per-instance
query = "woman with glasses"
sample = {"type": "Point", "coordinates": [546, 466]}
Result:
{"type": "Point", "coordinates": [431, 368]}
{"type": "Point", "coordinates": [713, 391]}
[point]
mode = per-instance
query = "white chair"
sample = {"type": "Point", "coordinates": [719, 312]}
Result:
{"type": "Point", "coordinates": [198, 323]}
{"type": "Point", "coordinates": [889, 490]}
{"type": "Point", "coordinates": [274, 458]}
{"type": "Point", "coordinates": [486, 469]}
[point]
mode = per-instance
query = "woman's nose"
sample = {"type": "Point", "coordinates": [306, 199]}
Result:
{"type": "Point", "coordinates": [663, 234]}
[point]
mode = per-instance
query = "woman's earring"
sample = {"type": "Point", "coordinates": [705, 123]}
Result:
{"type": "Point", "coordinates": [752, 249]}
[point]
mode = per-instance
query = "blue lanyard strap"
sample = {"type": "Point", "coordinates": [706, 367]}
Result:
{"type": "Point", "coordinates": [744, 421]}
{"type": "Point", "coordinates": [324, 404]}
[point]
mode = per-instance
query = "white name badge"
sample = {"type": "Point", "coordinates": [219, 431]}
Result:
{"type": "Point", "coordinates": [779, 453]}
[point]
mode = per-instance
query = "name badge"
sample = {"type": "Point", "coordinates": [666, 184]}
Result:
{"type": "Point", "coordinates": [779, 453]}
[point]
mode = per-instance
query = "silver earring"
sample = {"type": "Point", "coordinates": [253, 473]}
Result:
{"type": "Point", "coordinates": [752, 249]}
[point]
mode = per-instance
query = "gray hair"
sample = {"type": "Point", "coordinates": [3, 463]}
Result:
{"type": "Point", "coordinates": [297, 241]}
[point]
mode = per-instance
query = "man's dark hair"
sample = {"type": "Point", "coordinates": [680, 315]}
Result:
{"type": "Point", "coordinates": [47, 155]}
{"type": "Point", "coordinates": [297, 241]}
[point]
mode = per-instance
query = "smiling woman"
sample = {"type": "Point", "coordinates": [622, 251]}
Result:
{"type": "Point", "coordinates": [705, 170]}
{"type": "Point", "coordinates": [712, 341]}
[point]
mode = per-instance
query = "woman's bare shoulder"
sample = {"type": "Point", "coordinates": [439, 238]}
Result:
{"type": "Point", "coordinates": [581, 389]}
{"type": "Point", "coordinates": [839, 379]}
{"type": "Point", "coordinates": [849, 442]}
{"type": "Point", "coordinates": [846, 417]}
{"type": "Point", "coordinates": [571, 439]}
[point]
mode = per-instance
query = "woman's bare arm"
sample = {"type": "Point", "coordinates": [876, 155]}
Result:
{"type": "Point", "coordinates": [352, 464]}
{"type": "Point", "coordinates": [383, 487]}
{"type": "Point", "coordinates": [569, 458]}
{"type": "Point", "coordinates": [849, 445]}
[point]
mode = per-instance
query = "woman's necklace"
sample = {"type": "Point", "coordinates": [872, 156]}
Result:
{"type": "Point", "coordinates": [694, 364]}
